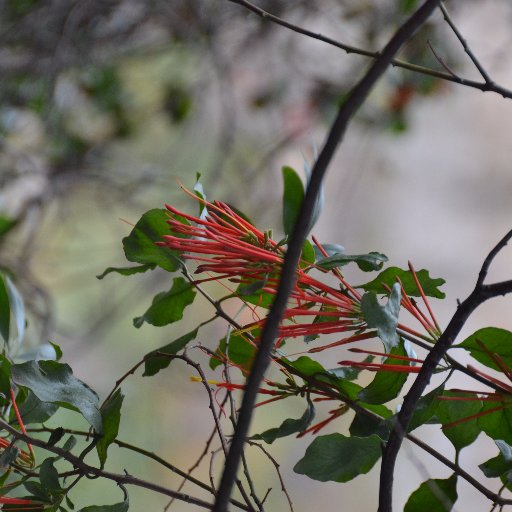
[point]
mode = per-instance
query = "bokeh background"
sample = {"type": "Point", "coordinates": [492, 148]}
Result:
{"type": "Point", "coordinates": [104, 105]}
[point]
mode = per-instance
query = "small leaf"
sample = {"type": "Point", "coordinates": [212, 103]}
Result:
{"type": "Point", "coordinates": [330, 249]}
{"type": "Point", "coordinates": [384, 318]}
{"type": "Point", "coordinates": [168, 307]}
{"type": "Point", "coordinates": [240, 352]}
{"type": "Point", "coordinates": [289, 426]}
{"type": "Point", "coordinates": [387, 384]}
{"type": "Point", "coordinates": [293, 196]}
{"type": "Point", "coordinates": [6, 224]}
{"type": "Point", "coordinates": [139, 246]}
{"type": "Point", "coordinates": [363, 426]}
{"type": "Point", "coordinates": [307, 257]}
{"type": "Point", "coordinates": [126, 271]}
{"type": "Point", "coordinates": [434, 495]}
{"type": "Point", "coordinates": [501, 465]}
{"type": "Point", "coordinates": [48, 475]}
{"type": "Point", "coordinates": [495, 340]}
{"type": "Point", "coordinates": [111, 417]}
{"type": "Point", "coordinates": [366, 262]}
{"type": "Point", "coordinates": [154, 363]}
{"type": "Point", "coordinates": [338, 458]}
{"type": "Point", "coordinates": [118, 507]}
{"type": "Point", "coordinates": [5, 311]}
{"type": "Point", "coordinates": [54, 382]}
{"type": "Point", "coordinates": [8, 456]}
{"type": "Point", "coordinates": [450, 411]}
{"type": "Point", "coordinates": [388, 277]}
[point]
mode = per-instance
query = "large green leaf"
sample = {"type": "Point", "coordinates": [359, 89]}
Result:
{"type": "Point", "coordinates": [434, 495]}
{"type": "Point", "coordinates": [293, 196]}
{"type": "Point", "coordinates": [450, 411]}
{"type": "Point", "coordinates": [153, 362]}
{"type": "Point", "coordinates": [387, 384]}
{"type": "Point", "coordinates": [495, 340]}
{"type": "Point", "coordinates": [289, 426]}
{"type": "Point", "coordinates": [139, 246]}
{"type": "Point", "coordinates": [366, 262]}
{"type": "Point", "coordinates": [111, 417]}
{"type": "Point", "coordinates": [496, 420]}
{"type": "Point", "coordinates": [54, 382]}
{"type": "Point", "coordinates": [384, 318]}
{"type": "Point", "coordinates": [387, 278]}
{"type": "Point", "coordinates": [168, 307]}
{"type": "Point", "coordinates": [338, 458]}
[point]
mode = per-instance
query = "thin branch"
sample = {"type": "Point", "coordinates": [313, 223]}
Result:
{"type": "Point", "coordinates": [480, 294]}
{"type": "Point", "coordinates": [352, 104]}
{"type": "Point", "coordinates": [487, 86]}
{"type": "Point", "coordinates": [465, 45]}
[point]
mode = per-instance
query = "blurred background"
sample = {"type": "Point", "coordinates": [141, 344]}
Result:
{"type": "Point", "coordinates": [104, 105]}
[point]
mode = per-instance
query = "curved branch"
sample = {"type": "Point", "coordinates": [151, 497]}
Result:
{"type": "Point", "coordinates": [480, 294]}
{"type": "Point", "coordinates": [353, 102]}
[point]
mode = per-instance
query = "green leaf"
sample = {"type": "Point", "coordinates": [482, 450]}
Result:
{"type": "Point", "coordinates": [384, 318]}
{"type": "Point", "coordinates": [289, 426]}
{"type": "Point", "coordinates": [139, 246]}
{"type": "Point", "coordinates": [36, 490]}
{"type": "Point", "coordinates": [6, 224]}
{"type": "Point", "coordinates": [497, 424]}
{"type": "Point", "coordinates": [118, 507]}
{"type": "Point", "coordinates": [450, 411]}
{"type": "Point", "coordinates": [434, 495]}
{"type": "Point", "coordinates": [54, 382]}
{"type": "Point", "coordinates": [168, 307]}
{"type": "Point", "coordinates": [111, 417]}
{"type": "Point", "coordinates": [338, 458]}
{"type": "Point", "coordinates": [154, 363]}
{"type": "Point", "coordinates": [307, 257]}
{"type": "Point", "coordinates": [127, 271]}
{"type": "Point", "coordinates": [495, 340]}
{"type": "Point", "coordinates": [366, 262]}
{"type": "Point", "coordinates": [293, 196]}
{"type": "Point", "coordinates": [388, 277]}
{"type": "Point", "coordinates": [501, 465]}
{"type": "Point", "coordinates": [239, 351]}
{"type": "Point", "coordinates": [49, 476]}
{"type": "Point", "coordinates": [426, 408]}
{"type": "Point", "coordinates": [33, 410]}
{"type": "Point", "coordinates": [5, 310]}
{"type": "Point", "coordinates": [387, 384]}
{"type": "Point", "coordinates": [363, 426]}
{"type": "Point", "coordinates": [8, 456]}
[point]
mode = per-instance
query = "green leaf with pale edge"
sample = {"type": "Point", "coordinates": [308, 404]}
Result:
{"type": "Point", "coordinates": [384, 318]}
{"type": "Point", "coordinates": [293, 196]}
{"type": "Point", "coordinates": [5, 311]}
{"type": "Point", "coordinates": [48, 475]}
{"type": "Point", "coordinates": [366, 262]}
{"type": "Point", "coordinates": [388, 277]}
{"type": "Point", "coordinates": [450, 411]}
{"type": "Point", "coordinates": [434, 495]}
{"type": "Point", "coordinates": [111, 417]}
{"type": "Point", "coordinates": [338, 458]}
{"type": "Point", "coordinates": [154, 363]}
{"type": "Point", "coordinates": [289, 426]}
{"type": "Point", "coordinates": [54, 382]}
{"type": "Point", "coordinates": [168, 307]}
{"type": "Point", "coordinates": [426, 408]}
{"type": "Point", "coordinates": [501, 465]}
{"type": "Point", "coordinates": [240, 352]}
{"type": "Point", "coordinates": [139, 246]}
{"type": "Point", "coordinates": [497, 424]}
{"type": "Point", "coordinates": [387, 384]}
{"type": "Point", "coordinates": [495, 340]}
{"type": "Point", "coordinates": [126, 271]}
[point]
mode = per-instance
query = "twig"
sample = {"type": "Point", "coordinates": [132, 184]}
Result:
{"type": "Point", "coordinates": [480, 294]}
{"type": "Point", "coordinates": [465, 46]}
{"type": "Point", "coordinates": [353, 102]}
{"type": "Point", "coordinates": [487, 86]}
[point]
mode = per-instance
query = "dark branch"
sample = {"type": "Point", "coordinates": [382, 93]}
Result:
{"type": "Point", "coordinates": [480, 294]}
{"type": "Point", "coordinates": [354, 100]}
